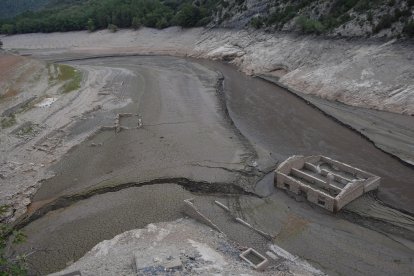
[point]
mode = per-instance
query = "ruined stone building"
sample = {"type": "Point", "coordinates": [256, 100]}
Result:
{"type": "Point", "coordinates": [324, 181]}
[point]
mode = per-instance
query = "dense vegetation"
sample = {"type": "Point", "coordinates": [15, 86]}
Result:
{"type": "Point", "coordinates": [10, 8]}
{"type": "Point", "coordinates": [99, 14]}
{"type": "Point", "coordinates": [323, 16]}
{"type": "Point", "coordinates": [310, 19]}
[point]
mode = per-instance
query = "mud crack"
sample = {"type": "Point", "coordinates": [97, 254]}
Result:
{"type": "Point", "coordinates": [198, 187]}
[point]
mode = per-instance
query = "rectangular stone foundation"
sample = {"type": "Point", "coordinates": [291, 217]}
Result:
{"type": "Point", "coordinates": [326, 182]}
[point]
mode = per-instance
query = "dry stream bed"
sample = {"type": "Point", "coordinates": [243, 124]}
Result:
{"type": "Point", "coordinates": [202, 129]}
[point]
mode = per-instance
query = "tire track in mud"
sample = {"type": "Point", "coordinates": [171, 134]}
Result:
{"type": "Point", "coordinates": [369, 211]}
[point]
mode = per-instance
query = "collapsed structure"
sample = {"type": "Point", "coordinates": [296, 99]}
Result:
{"type": "Point", "coordinates": [328, 183]}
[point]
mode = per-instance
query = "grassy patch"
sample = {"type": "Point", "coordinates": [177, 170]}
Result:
{"type": "Point", "coordinates": [67, 74]}
{"type": "Point", "coordinates": [26, 130]}
{"type": "Point", "coordinates": [71, 76]}
{"type": "Point", "coordinates": [73, 84]}
{"type": "Point", "coordinates": [7, 122]}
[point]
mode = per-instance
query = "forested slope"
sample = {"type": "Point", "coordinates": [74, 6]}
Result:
{"type": "Point", "coordinates": [99, 14]}
{"type": "Point", "coordinates": [10, 8]}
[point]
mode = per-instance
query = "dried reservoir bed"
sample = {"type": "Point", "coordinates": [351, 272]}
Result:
{"type": "Point", "coordinates": [206, 126]}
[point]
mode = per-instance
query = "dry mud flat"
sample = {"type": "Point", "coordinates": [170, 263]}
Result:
{"type": "Point", "coordinates": [187, 147]}
{"type": "Point", "coordinates": [41, 119]}
{"type": "Point", "coordinates": [362, 74]}
{"type": "Point", "coordinates": [178, 133]}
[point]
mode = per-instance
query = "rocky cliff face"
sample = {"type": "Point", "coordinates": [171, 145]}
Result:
{"type": "Point", "coordinates": [349, 18]}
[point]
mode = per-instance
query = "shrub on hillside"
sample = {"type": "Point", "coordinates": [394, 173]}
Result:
{"type": "Point", "coordinates": [188, 16]}
{"type": "Point", "coordinates": [7, 29]}
{"type": "Point", "coordinates": [308, 25]}
{"type": "Point", "coordinates": [112, 28]}
{"type": "Point", "coordinates": [384, 23]}
{"type": "Point", "coordinates": [91, 25]}
{"type": "Point", "coordinates": [409, 29]}
{"type": "Point", "coordinates": [256, 22]}
{"type": "Point", "coordinates": [136, 23]}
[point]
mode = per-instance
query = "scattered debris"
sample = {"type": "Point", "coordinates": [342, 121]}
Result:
{"type": "Point", "coordinates": [96, 144]}
{"type": "Point", "coordinates": [18, 107]}
{"type": "Point", "coordinates": [272, 256]}
{"type": "Point", "coordinates": [222, 205]}
{"type": "Point", "coordinates": [266, 235]}
{"type": "Point", "coordinates": [193, 212]}
{"type": "Point", "coordinates": [175, 264]}
{"type": "Point", "coordinates": [181, 247]}
{"type": "Point", "coordinates": [27, 130]}
{"type": "Point", "coordinates": [46, 102]}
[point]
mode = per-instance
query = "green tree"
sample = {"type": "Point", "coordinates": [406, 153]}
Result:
{"type": "Point", "coordinates": [91, 25]}
{"type": "Point", "coordinates": [113, 28]}
{"type": "Point", "coordinates": [136, 23]}
{"type": "Point", "coordinates": [308, 25]}
{"type": "Point", "coordinates": [188, 16]}
{"type": "Point", "coordinates": [409, 29]}
{"type": "Point", "coordinates": [161, 23]}
{"type": "Point", "coordinates": [7, 29]}
{"type": "Point", "coordinates": [257, 22]}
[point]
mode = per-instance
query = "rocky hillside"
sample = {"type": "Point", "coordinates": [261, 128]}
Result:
{"type": "Point", "coordinates": [362, 18]}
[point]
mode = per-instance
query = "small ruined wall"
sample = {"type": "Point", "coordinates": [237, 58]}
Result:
{"type": "Point", "coordinates": [315, 196]}
{"type": "Point", "coordinates": [347, 168]}
{"type": "Point", "coordinates": [296, 161]}
{"type": "Point", "coordinates": [352, 191]}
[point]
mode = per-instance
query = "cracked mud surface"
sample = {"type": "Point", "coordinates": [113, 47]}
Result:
{"type": "Point", "coordinates": [188, 144]}
{"type": "Point", "coordinates": [183, 131]}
